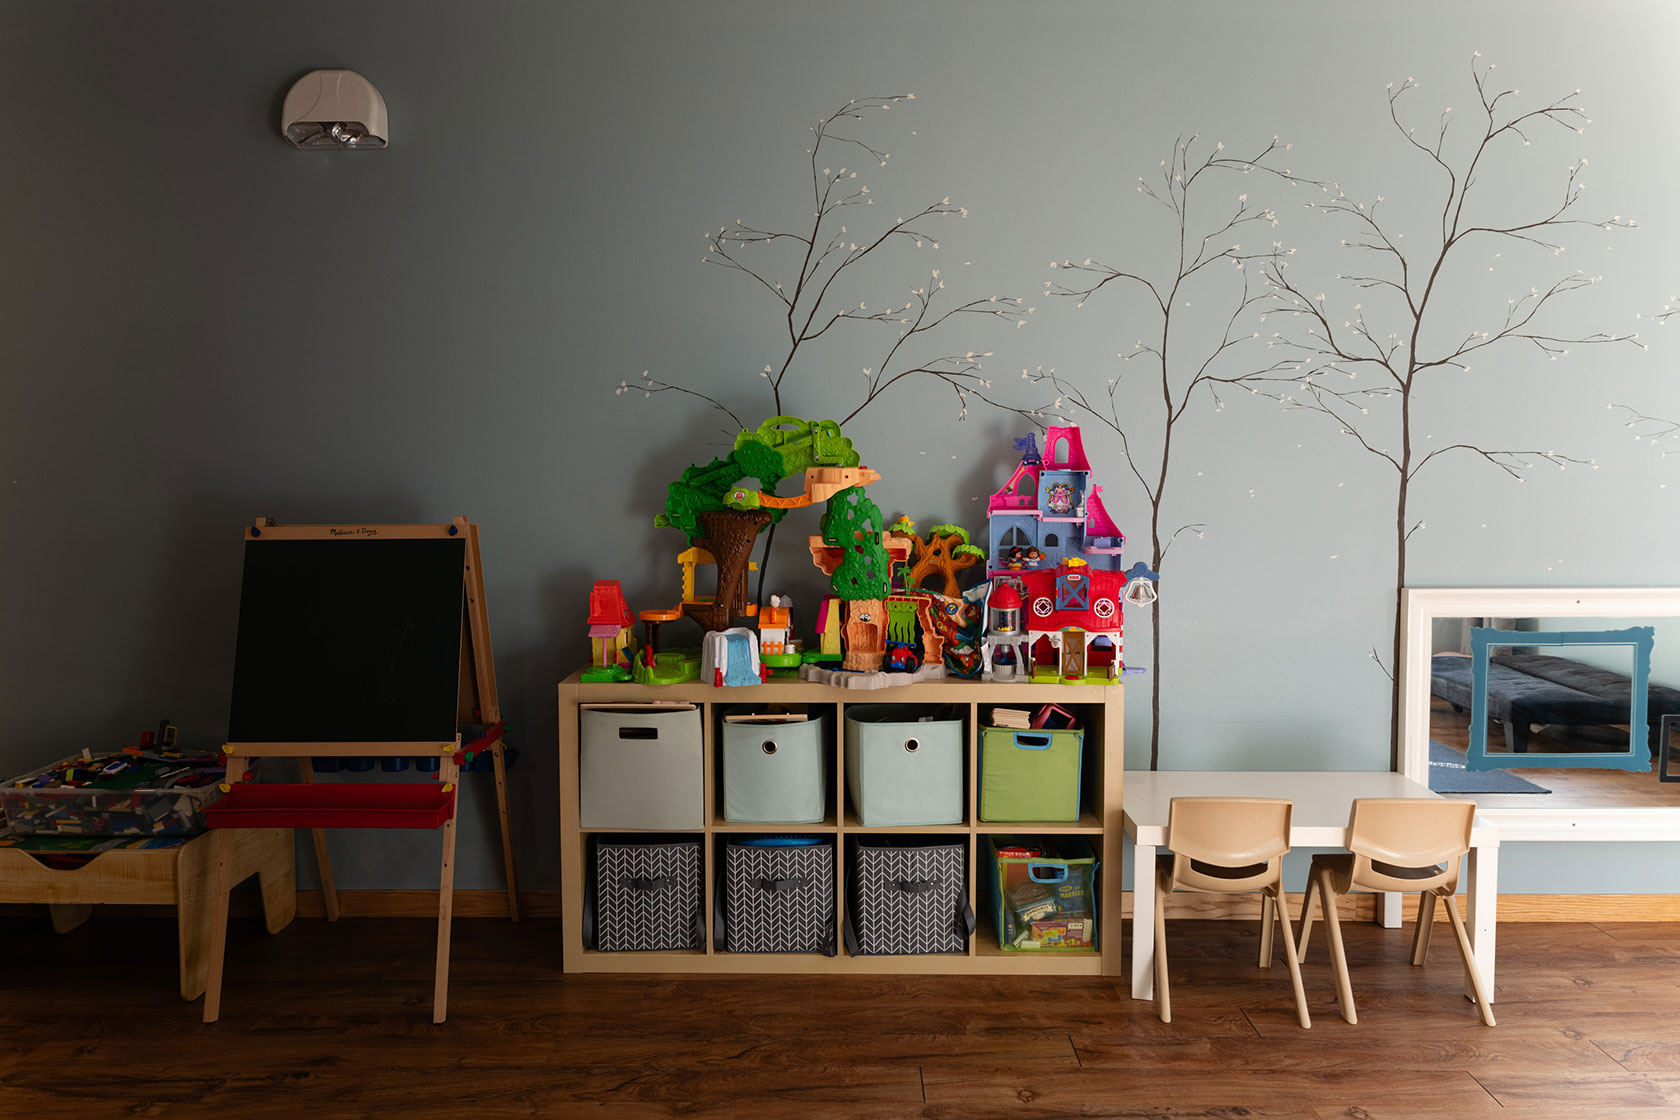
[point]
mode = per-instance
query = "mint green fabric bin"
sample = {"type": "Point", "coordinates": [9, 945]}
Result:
{"type": "Point", "coordinates": [1029, 775]}
{"type": "Point", "coordinates": [776, 773]}
{"type": "Point", "coordinates": [904, 764]}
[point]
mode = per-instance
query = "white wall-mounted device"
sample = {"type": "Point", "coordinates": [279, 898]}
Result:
{"type": "Point", "coordinates": [334, 110]}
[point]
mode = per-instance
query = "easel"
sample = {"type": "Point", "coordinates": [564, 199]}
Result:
{"type": "Point", "coordinates": [385, 805]}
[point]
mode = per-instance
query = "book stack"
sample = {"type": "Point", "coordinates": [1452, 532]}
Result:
{"type": "Point", "coordinates": [1011, 717]}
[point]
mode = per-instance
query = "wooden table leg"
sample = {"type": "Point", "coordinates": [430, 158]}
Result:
{"type": "Point", "coordinates": [219, 925]}
{"type": "Point", "coordinates": [66, 916]}
{"type": "Point", "coordinates": [197, 889]}
{"type": "Point", "coordinates": [277, 876]}
{"type": "Point", "coordinates": [1482, 893]}
{"type": "Point", "coordinates": [323, 858]}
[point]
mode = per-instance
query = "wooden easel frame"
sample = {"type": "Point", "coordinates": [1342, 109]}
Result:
{"type": "Point", "coordinates": [476, 690]}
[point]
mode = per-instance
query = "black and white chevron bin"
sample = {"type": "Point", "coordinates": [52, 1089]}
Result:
{"type": "Point", "coordinates": [777, 898]}
{"type": "Point", "coordinates": [647, 896]}
{"type": "Point", "coordinates": [908, 897]}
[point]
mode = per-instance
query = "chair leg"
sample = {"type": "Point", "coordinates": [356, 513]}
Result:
{"type": "Point", "coordinates": [1425, 923]}
{"type": "Point", "coordinates": [1282, 910]}
{"type": "Point", "coordinates": [1471, 971]}
{"type": "Point", "coordinates": [1306, 917]}
{"type": "Point", "coordinates": [1163, 997]}
{"type": "Point", "coordinates": [1265, 931]}
{"type": "Point", "coordinates": [1338, 953]}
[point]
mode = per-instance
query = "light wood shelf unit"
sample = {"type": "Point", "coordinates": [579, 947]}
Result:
{"type": "Point", "coordinates": [1101, 709]}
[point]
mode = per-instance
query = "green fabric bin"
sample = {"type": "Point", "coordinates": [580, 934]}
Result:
{"type": "Point", "coordinates": [1030, 775]}
{"type": "Point", "coordinates": [904, 764]}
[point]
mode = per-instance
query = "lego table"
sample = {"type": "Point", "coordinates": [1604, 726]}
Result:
{"type": "Point", "coordinates": [182, 876]}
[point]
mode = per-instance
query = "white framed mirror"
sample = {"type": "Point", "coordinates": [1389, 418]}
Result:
{"type": "Point", "coordinates": [1568, 802]}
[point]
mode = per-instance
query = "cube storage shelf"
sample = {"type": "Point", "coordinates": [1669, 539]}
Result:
{"type": "Point", "coordinates": [1100, 709]}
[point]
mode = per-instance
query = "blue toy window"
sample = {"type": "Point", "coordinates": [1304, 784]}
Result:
{"type": "Point", "coordinates": [1073, 593]}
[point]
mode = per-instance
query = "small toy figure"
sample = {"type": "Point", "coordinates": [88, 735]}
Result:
{"type": "Point", "coordinates": [901, 658]}
{"type": "Point", "coordinates": [612, 633]}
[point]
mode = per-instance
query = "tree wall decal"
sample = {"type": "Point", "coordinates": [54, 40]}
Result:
{"type": "Point", "coordinates": [1368, 379]}
{"type": "Point", "coordinates": [798, 269]}
{"type": "Point", "coordinates": [1181, 360]}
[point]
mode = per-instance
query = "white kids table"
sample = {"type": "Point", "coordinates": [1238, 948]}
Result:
{"type": "Point", "coordinates": [1322, 802]}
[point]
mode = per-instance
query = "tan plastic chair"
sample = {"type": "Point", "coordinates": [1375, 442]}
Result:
{"type": "Point", "coordinates": [1227, 845]}
{"type": "Point", "coordinates": [1396, 844]}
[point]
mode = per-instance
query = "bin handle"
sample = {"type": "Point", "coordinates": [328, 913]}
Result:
{"type": "Point", "coordinates": [911, 746]}
{"type": "Point", "coordinates": [638, 732]}
{"type": "Point", "coordinates": [1026, 742]}
{"type": "Point", "coordinates": [768, 746]}
{"type": "Point", "coordinates": [918, 886]}
{"type": "Point", "coordinates": [798, 883]}
{"type": "Point", "coordinates": [642, 883]}
{"type": "Point", "coordinates": [1053, 872]}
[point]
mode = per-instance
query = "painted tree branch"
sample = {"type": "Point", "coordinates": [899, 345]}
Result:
{"type": "Point", "coordinates": [799, 268]}
{"type": "Point", "coordinates": [804, 267]}
{"type": "Point", "coordinates": [1401, 358]}
{"type": "Point", "coordinates": [1650, 428]}
{"type": "Point", "coordinates": [1181, 368]}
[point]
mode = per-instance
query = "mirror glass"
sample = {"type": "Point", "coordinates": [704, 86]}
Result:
{"type": "Point", "coordinates": [1560, 731]}
{"type": "Point", "coordinates": [1559, 716]}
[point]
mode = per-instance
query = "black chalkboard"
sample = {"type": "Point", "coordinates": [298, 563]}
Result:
{"type": "Point", "coordinates": [348, 640]}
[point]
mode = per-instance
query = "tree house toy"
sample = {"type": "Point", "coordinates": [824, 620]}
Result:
{"type": "Point", "coordinates": [723, 515]}
{"type": "Point", "coordinates": [612, 633]}
{"type": "Point", "coordinates": [937, 560]}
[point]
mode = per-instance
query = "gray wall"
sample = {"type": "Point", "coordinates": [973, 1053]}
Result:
{"type": "Point", "coordinates": [199, 325]}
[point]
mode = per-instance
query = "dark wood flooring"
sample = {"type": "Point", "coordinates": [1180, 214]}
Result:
{"type": "Point", "coordinates": [333, 1021]}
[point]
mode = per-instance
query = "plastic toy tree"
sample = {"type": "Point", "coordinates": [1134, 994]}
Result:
{"type": "Point", "coordinates": [1365, 369]}
{"type": "Point", "coordinates": [946, 551]}
{"type": "Point", "coordinates": [1208, 269]}
{"type": "Point", "coordinates": [709, 506]}
{"type": "Point", "coordinates": [853, 523]}
{"type": "Point", "coordinates": [695, 504]}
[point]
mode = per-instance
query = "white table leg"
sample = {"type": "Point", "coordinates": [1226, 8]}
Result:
{"type": "Point", "coordinates": [1482, 890]}
{"type": "Point", "coordinates": [1389, 909]}
{"type": "Point", "coordinates": [1143, 921]}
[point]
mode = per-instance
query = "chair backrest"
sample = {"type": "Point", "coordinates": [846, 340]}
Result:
{"type": "Point", "coordinates": [1229, 831]}
{"type": "Point", "coordinates": [1398, 842]}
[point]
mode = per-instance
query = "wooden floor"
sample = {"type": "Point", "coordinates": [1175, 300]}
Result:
{"type": "Point", "coordinates": [1570, 787]}
{"type": "Point", "coordinates": [328, 1021]}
